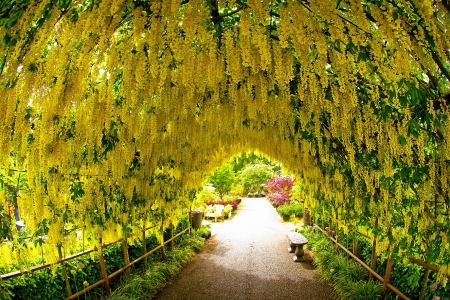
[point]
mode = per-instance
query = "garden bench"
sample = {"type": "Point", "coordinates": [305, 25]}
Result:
{"type": "Point", "coordinates": [216, 213]}
{"type": "Point", "coordinates": [297, 240]}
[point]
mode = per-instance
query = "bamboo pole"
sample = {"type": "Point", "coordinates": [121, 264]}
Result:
{"type": "Point", "coordinates": [356, 248]}
{"type": "Point", "coordinates": [66, 279]}
{"type": "Point", "coordinates": [62, 260]}
{"type": "Point", "coordinates": [43, 266]}
{"type": "Point", "coordinates": [424, 264]}
{"type": "Point", "coordinates": [126, 256]}
{"type": "Point", "coordinates": [375, 274]}
{"type": "Point", "coordinates": [336, 248]}
{"type": "Point", "coordinates": [190, 221]}
{"type": "Point", "coordinates": [103, 269]}
{"type": "Point", "coordinates": [364, 235]}
{"type": "Point", "coordinates": [144, 244]}
{"type": "Point", "coordinates": [171, 244]}
{"type": "Point", "coordinates": [106, 277]}
{"type": "Point", "coordinates": [163, 250]}
{"type": "Point", "coordinates": [90, 287]}
{"type": "Point", "coordinates": [133, 262]}
{"type": "Point", "coordinates": [387, 276]}
{"type": "Point", "coordinates": [145, 255]}
{"type": "Point", "coordinates": [373, 259]}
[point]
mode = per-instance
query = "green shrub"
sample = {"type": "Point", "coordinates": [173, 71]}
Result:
{"type": "Point", "coordinates": [322, 261]}
{"type": "Point", "coordinates": [361, 290]}
{"type": "Point", "coordinates": [146, 283]}
{"type": "Point", "coordinates": [335, 268]}
{"type": "Point", "coordinates": [323, 245]}
{"type": "Point", "coordinates": [285, 210]}
{"type": "Point", "coordinates": [228, 208]}
{"type": "Point", "coordinates": [297, 209]}
{"type": "Point", "coordinates": [6, 290]}
{"type": "Point", "coordinates": [44, 285]}
{"type": "Point", "coordinates": [346, 276]}
{"type": "Point", "coordinates": [203, 232]}
{"type": "Point", "coordinates": [351, 282]}
{"type": "Point", "coordinates": [41, 284]}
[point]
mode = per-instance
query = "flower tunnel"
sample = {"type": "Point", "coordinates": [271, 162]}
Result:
{"type": "Point", "coordinates": [115, 110]}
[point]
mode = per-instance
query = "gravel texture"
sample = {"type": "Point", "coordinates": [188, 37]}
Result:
{"type": "Point", "coordinates": [247, 258]}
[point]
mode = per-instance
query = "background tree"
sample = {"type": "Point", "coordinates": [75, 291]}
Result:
{"type": "Point", "coordinates": [205, 194]}
{"type": "Point", "coordinates": [241, 161]}
{"type": "Point", "coordinates": [254, 175]}
{"type": "Point", "coordinates": [223, 179]}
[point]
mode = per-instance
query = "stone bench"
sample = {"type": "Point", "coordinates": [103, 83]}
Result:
{"type": "Point", "coordinates": [297, 241]}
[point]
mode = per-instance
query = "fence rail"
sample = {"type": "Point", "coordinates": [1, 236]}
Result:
{"type": "Point", "coordinates": [384, 280]}
{"type": "Point", "coordinates": [105, 277]}
{"type": "Point", "coordinates": [415, 260]}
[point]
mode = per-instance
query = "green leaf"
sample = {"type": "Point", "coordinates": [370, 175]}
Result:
{"type": "Point", "coordinates": [412, 93]}
{"type": "Point", "coordinates": [402, 140]}
{"type": "Point", "coordinates": [32, 67]}
{"type": "Point", "coordinates": [413, 127]}
{"type": "Point", "coordinates": [403, 100]}
{"type": "Point", "coordinates": [351, 48]}
{"type": "Point", "coordinates": [337, 45]}
{"type": "Point", "coordinates": [427, 117]}
{"type": "Point", "coordinates": [362, 56]}
{"type": "Point", "coordinates": [13, 19]}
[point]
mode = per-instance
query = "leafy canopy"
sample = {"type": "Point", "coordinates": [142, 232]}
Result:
{"type": "Point", "coordinates": [117, 127]}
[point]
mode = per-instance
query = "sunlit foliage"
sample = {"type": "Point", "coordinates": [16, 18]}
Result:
{"type": "Point", "coordinates": [116, 110]}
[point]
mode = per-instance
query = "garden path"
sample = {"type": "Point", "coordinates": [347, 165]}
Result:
{"type": "Point", "coordinates": [247, 258]}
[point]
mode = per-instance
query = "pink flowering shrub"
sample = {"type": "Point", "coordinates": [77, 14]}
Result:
{"type": "Point", "coordinates": [279, 198]}
{"type": "Point", "coordinates": [280, 183]}
{"type": "Point", "coordinates": [280, 189]}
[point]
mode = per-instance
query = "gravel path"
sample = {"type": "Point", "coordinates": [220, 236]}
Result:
{"type": "Point", "coordinates": [247, 258]}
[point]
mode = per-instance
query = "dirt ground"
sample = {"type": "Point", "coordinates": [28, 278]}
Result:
{"type": "Point", "coordinates": [247, 258]}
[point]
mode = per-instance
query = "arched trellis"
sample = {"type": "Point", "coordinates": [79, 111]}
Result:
{"type": "Point", "coordinates": [118, 108]}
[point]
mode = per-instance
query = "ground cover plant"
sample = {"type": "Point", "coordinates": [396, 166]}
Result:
{"type": "Point", "coordinates": [49, 283]}
{"type": "Point", "coordinates": [147, 281]}
{"type": "Point", "coordinates": [351, 281]}
{"type": "Point", "coordinates": [348, 278]}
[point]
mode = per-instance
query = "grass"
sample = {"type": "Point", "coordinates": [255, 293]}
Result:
{"type": "Point", "coordinates": [146, 282]}
{"type": "Point", "coordinates": [347, 277]}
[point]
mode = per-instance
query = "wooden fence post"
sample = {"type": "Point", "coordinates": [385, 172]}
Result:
{"type": "Point", "coordinates": [144, 242]}
{"type": "Point", "coordinates": [336, 249]}
{"type": "Point", "coordinates": [66, 279]}
{"type": "Point", "coordinates": [373, 261]}
{"type": "Point", "coordinates": [190, 222]}
{"type": "Point", "coordinates": [171, 236]}
{"type": "Point", "coordinates": [163, 248]}
{"type": "Point", "coordinates": [355, 248]}
{"type": "Point", "coordinates": [387, 276]}
{"type": "Point", "coordinates": [101, 260]}
{"type": "Point", "coordinates": [126, 256]}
